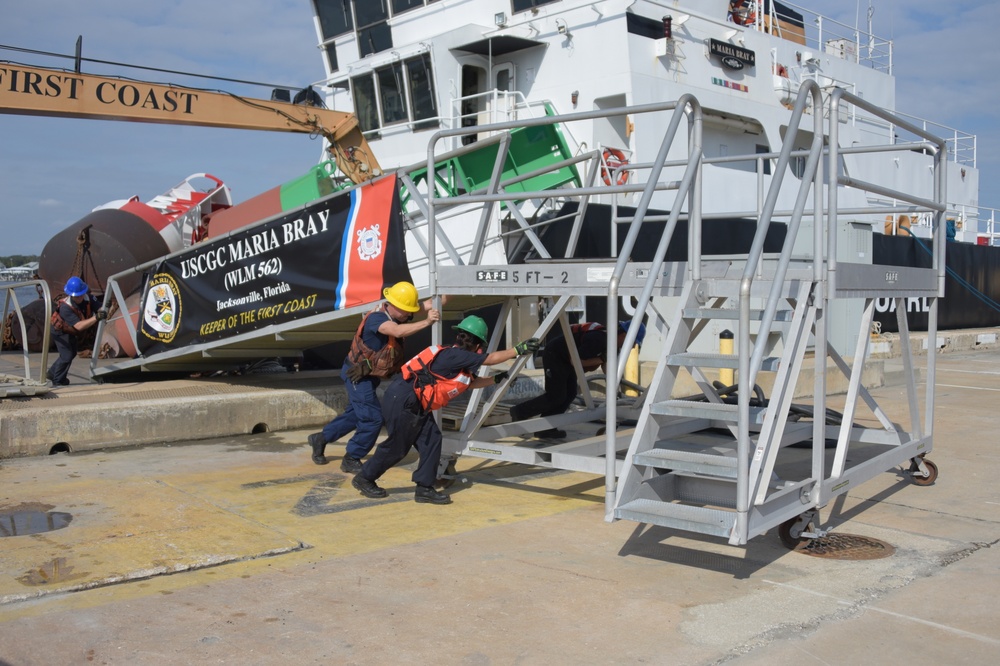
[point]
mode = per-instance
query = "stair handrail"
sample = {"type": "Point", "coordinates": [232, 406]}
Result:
{"type": "Point", "coordinates": [750, 358]}
{"type": "Point", "coordinates": [812, 177]}
{"type": "Point", "coordinates": [690, 183]}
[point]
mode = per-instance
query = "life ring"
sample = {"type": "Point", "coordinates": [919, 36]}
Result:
{"type": "Point", "coordinates": [611, 159]}
{"type": "Point", "coordinates": [781, 71]}
{"type": "Point", "coordinates": [743, 16]}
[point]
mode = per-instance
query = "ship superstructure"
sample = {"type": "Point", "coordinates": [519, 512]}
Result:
{"type": "Point", "coordinates": [408, 68]}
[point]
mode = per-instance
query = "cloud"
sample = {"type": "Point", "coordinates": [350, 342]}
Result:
{"type": "Point", "coordinates": [50, 203]}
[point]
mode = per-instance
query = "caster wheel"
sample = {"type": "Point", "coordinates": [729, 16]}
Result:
{"type": "Point", "coordinates": [790, 535]}
{"type": "Point", "coordinates": [932, 473]}
{"type": "Point", "coordinates": [447, 480]}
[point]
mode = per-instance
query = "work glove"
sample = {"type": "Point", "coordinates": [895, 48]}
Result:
{"type": "Point", "coordinates": [358, 372]}
{"type": "Point", "coordinates": [102, 314]}
{"type": "Point", "coordinates": [500, 376]}
{"type": "Point", "coordinates": [529, 346]}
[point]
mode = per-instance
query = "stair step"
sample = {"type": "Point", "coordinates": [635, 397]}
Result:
{"type": "Point", "coordinates": [712, 464]}
{"type": "Point", "coordinates": [733, 314]}
{"type": "Point", "coordinates": [705, 410]}
{"type": "Point", "coordinates": [701, 520]}
{"type": "Point", "coordinates": [715, 360]}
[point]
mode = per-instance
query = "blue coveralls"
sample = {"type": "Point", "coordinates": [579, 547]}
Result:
{"type": "Point", "coordinates": [364, 412]}
{"type": "Point", "coordinates": [408, 425]}
{"type": "Point", "coordinates": [66, 343]}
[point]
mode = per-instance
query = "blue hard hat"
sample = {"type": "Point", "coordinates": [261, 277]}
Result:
{"type": "Point", "coordinates": [76, 287]}
{"type": "Point", "coordinates": [639, 336]}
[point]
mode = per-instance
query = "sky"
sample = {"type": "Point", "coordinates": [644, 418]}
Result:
{"type": "Point", "coordinates": [53, 171]}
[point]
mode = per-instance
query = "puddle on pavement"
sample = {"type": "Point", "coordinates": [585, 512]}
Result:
{"type": "Point", "coordinates": [32, 521]}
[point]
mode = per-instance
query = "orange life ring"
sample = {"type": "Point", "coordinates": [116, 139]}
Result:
{"type": "Point", "coordinates": [743, 16]}
{"type": "Point", "coordinates": [611, 159]}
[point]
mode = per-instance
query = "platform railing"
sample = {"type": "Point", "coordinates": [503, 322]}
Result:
{"type": "Point", "coordinates": [28, 382]}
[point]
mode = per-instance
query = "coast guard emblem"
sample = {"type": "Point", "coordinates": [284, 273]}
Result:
{"type": "Point", "coordinates": [161, 311]}
{"type": "Point", "coordinates": [369, 243]}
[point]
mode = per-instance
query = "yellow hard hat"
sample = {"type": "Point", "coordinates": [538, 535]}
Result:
{"type": "Point", "coordinates": [403, 295]}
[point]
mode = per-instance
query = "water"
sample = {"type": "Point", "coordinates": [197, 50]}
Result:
{"type": "Point", "coordinates": [21, 523]}
{"type": "Point", "coordinates": [25, 295]}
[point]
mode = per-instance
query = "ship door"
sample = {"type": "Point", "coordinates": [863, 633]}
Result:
{"type": "Point", "coordinates": [502, 102]}
{"type": "Point", "coordinates": [486, 98]}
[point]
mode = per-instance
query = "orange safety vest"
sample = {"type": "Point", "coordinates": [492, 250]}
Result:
{"type": "Point", "coordinates": [386, 361]}
{"type": "Point", "coordinates": [586, 327]}
{"type": "Point", "coordinates": [60, 324]}
{"type": "Point", "coordinates": [433, 390]}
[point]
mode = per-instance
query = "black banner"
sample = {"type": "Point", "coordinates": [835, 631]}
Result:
{"type": "Point", "coordinates": [334, 254]}
{"type": "Point", "coordinates": [972, 280]}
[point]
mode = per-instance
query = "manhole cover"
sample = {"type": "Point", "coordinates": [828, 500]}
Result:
{"type": "Point", "coordinates": [846, 547]}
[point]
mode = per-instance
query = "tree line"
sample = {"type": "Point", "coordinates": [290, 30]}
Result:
{"type": "Point", "coordinates": [17, 260]}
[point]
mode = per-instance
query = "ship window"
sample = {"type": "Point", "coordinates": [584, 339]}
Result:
{"type": "Point", "coordinates": [798, 166]}
{"type": "Point", "coordinates": [374, 39]}
{"type": "Point", "coordinates": [370, 11]}
{"type": "Point", "coordinates": [525, 5]}
{"type": "Point", "coordinates": [400, 6]}
{"type": "Point", "coordinates": [390, 92]}
{"type": "Point", "coordinates": [767, 163]}
{"type": "Point", "coordinates": [331, 54]}
{"type": "Point", "coordinates": [365, 103]}
{"type": "Point", "coordinates": [334, 17]}
{"type": "Point", "coordinates": [372, 18]}
{"type": "Point", "coordinates": [423, 106]}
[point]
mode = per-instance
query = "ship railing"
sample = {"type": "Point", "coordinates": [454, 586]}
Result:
{"type": "Point", "coordinates": [990, 218]}
{"type": "Point", "coordinates": [27, 383]}
{"type": "Point", "coordinates": [493, 106]}
{"type": "Point", "coordinates": [961, 146]}
{"type": "Point", "coordinates": [817, 32]}
{"type": "Point", "coordinates": [837, 38]}
{"type": "Point", "coordinates": [504, 106]}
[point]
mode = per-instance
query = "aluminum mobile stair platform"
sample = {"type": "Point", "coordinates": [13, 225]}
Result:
{"type": "Point", "coordinates": [723, 463]}
{"type": "Point", "coordinates": [719, 463]}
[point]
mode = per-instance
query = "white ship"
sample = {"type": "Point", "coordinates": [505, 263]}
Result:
{"type": "Point", "coordinates": [408, 68]}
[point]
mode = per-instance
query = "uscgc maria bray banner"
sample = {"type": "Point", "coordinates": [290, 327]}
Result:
{"type": "Point", "coordinates": [336, 253]}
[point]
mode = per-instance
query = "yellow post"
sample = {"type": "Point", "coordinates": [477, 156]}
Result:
{"type": "Point", "coordinates": [632, 370]}
{"type": "Point", "coordinates": [726, 375]}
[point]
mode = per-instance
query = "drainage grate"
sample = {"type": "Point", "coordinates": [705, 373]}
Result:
{"type": "Point", "coordinates": [846, 547]}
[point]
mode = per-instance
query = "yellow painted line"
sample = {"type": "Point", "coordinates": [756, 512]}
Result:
{"type": "Point", "coordinates": [126, 531]}
{"type": "Point", "coordinates": [318, 505]}
{"type": "Point", "coordinates": [132, 528]}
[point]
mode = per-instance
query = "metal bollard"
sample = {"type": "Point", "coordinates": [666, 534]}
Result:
{"type": "Point", "coordinates": [726, 375]}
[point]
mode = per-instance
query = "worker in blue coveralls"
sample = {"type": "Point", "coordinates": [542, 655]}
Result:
{"type": "Point", "coordinates": [74, 315]}
{"type": "Point", "coordinates": [560, 378]}
{"type": "Point", "coordinates": [376, 353]}
{"type": "Point", "coordinates": [428, 382]}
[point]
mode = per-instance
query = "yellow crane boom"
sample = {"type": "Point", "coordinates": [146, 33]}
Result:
{"type": "Point", "coordinates": [51, 92]}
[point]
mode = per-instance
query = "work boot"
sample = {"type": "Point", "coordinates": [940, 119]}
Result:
{"type": "Point", "coordinates": [368, 488]}
{"type": "Point", "coordinates": [551, 433]}
{"type": "Point", "coordinates": [428, 495]}
{"type": "Point", "coordinates": [350, 465]}
{"type": "Point", "coordinates": [318, 444]}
